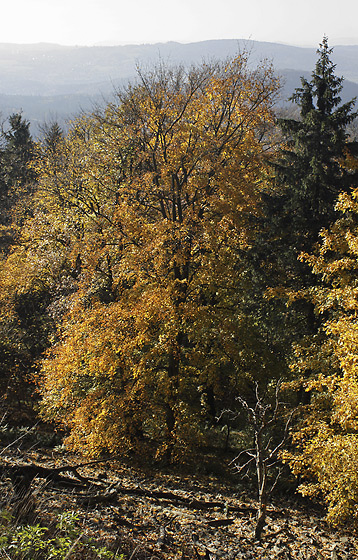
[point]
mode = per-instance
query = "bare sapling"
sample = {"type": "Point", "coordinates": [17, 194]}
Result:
{"type": "Point", "coordinates": [267, 417]}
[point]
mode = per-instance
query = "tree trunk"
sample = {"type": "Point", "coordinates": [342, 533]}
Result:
{"type": "Point", "coordinates": [261, 516]}
{"type": "Point", "coordinates": [261, 472]}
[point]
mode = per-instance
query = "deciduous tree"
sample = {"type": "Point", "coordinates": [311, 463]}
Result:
{"type": "Point", "coordinates": [327, 440]}
{"type": "Point", "coordinates": [163, 185]}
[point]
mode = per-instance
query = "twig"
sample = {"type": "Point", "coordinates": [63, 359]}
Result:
{"type": "Point", "coordinates": [19, 438]}
{"type": "Point", "coordinates": [73, 547]}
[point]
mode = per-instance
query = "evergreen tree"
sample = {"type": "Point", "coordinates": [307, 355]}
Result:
{"type": "Point", "coordinates": [16, 176]}
{"type": "Point", "coordinates": [309, 171]}
{"type": "Point", "coordinates": [308, 176]}
{"type": "Point", "coordinates": [52, 135]}
{"type": "Point", "coordinates": [17, 154]}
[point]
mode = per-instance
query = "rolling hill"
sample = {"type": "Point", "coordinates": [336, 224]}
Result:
{"type": "Point", "coordinates": [48, 81]}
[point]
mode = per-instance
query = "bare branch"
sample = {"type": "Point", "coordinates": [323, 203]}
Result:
{"type": "Point", "coordinates": [263, 418]}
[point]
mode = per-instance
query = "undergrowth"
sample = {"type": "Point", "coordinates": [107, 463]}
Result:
{"type": "Point", "coordinates": [35, 542]}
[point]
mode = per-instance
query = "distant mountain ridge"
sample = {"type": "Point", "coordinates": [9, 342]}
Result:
{"type": "Point", "coordinates": [49, 81]}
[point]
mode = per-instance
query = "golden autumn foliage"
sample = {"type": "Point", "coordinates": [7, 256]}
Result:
{"type": "Point", "coordinates": [150, 285]}
{"type": "Point", "coordinates": [152, 200]}
{"type": "Point", "coordinates": [328, 441]}
{"type": "Point", "coordinates": [136, 287]}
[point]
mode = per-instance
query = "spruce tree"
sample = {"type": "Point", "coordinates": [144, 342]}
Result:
{"type": "Point", "coordinates": [17, 154]}
{"type": "Point", "coordinates": [16, 176]}
{"type": "Point", "coordinates": [309, 168]}
{"type": "Point", "coordinates": [308, 176]}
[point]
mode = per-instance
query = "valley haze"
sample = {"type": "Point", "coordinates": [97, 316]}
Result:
{"type": "Point", "coordinates": [54, 82]}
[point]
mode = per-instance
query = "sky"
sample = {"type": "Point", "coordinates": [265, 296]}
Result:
{"type": "Point", "coordinates": [90, 22]}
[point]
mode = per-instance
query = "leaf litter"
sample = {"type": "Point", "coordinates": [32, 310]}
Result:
{"type": "Point", "coordinates": [167, 516]}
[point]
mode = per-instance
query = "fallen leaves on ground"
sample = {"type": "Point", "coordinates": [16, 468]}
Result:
{"type": "Point", "coordinates": [166, 516]}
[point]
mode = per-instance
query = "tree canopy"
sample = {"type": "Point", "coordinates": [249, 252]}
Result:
{"type": "Point", "coordinates": [177, 261]}
{"type": "Point", "coordinates": [148, 204]}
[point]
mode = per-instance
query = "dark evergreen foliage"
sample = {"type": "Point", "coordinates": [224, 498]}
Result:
{"type": "Point", "coordinates": [309, 170]}
{"type": "Point", "coordinates": [308, 175]}
{"type": "Point", "coordinates": [16, 176]}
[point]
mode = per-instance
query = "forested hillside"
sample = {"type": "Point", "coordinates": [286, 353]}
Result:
{"type": "Point", "coordinates": [178, 290]}
{"type": "Point", "coordinates": [54, 82]}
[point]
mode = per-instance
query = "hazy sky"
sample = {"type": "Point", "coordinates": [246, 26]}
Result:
{"type": "Point", "coordinates": [87, 22]}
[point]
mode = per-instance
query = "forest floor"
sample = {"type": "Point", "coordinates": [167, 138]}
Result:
{"type": "Point", "coordinates": [169, 516]}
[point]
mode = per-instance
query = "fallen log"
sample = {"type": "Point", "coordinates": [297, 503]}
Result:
{"type": "Point", "coordinates": [112, 496]}
{"type": "Point", "coordinates": [22, 475]}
